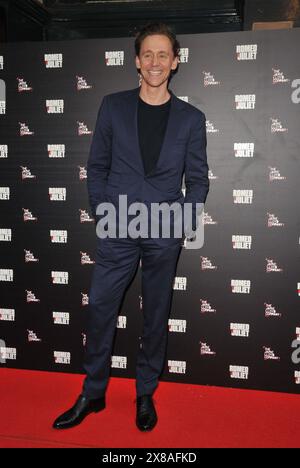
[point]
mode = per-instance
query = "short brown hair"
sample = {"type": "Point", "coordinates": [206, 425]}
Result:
{"type": "Point", "coordinates": [152, 28]}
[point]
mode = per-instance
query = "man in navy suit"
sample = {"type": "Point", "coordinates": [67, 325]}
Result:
{"type": "Point", "coordinates": [145, 139]}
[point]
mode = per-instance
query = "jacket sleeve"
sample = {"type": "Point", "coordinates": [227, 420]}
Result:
{"type": "Point", "coordinates": [196, 167]}
{"type": "Point", "coordinates": [99, 159]}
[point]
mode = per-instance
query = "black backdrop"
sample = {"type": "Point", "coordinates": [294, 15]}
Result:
{"type": "Point", "coordinates": [235, 310]}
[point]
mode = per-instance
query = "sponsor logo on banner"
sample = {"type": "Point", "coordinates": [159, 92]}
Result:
{"type": "Point", "coordinates": [58, 236]}
{"type": "Point", "coordinates": [62, 357]}
{"type": "Point", "coordinates": [2, 97]}
{"type": "Point", "coordinates": [274, 174]}
{"type": "Point", "coordinates": [85, 259]}
{"type": "Point", "coordinates": [32, 336]}
{"type": "Point", "coordinates": [83, 339]}
{"type": "Point", "coordinates": [206, 308]}
{"type": "Point", "coordinates": [53, 60]}
{"type": "Point", "coordinates": [270, 311]}
{"type": "Point", "coordinates": [273, 220]}
{"type": "Point", "coordinates": [241, 242]}
{"type": "Point", "coordinates": [57, 193]}
{"type": "Point", "coordinates": [211, 175]}
{"type": "Point", "coordinates": [29, 257]}
{"type": "Point", "coordinates": [245, 101]}
{"type": "Point", "coordinates": [7, 315]}
{"type": "Point", "coordinates": [23, 86]}
{"type": "Point", "coordinates": [239, 286]}
{"type": "Point", "coordinates": [85, 217]}
{"type": "Point", "coordinates": [24, 129]}
{"type": "Point", "coordinates": [82, 173]}
{"type": "Point", "coordinates": [7, 353]}
{"type": "Point", "coordinates": [178, 326]}
{"type": "Point", "coordinates": [5, 235]}
{"type": "Point", "coordinates": [244, 150]}
{"type": "Point", "coordinates": [60, 277]}
{"type": "Point", "coordinates": [269, 354]}
{"type": "Point", "coordinates": [242, 196]}
{"type": "Point", "coordinates": [31, 297]}
{"type": "Point", "coordinates": [56, 151]}
{"type": "Point", "coordinates": [83, 129]}
{"type": "Point", "coordinates": [6, 274]}
{"type": "Point", "coordinates": [246, 52]}
{"type": "Point", "coordinates": [272, 266]}
{"type": "Point", "coordinates": [84, 299]}
{"type": "Point", "coordinates": [184, 54]}
{"type": "Point", "coordinates": [177, 367]}
{"type": "Point", "coordinates": [2, 346]}
{"type": "Point", "coordinates": [208, 219]}
{"type": "Point", "coordinates": [239, 372]}
{"type": "Point", "coordinates": [81, 83]}
{"type": "Point", "coordinates": [2, 107]}
{"type": "Point", "coordinates": [206, 350]}
{"type": "Point", "coordinates": [278, 76]}
{"type": "Point", "coordinates": [3, 151]}
{"type": "Point", "coordinates": [277, 127]}
{"type": "Point", "coordinates": [240, 329]}
{"type": "Point", "coordinates": [180, 283]}
{"type": "Point", "coordinates": [55, 106]}
{"type": "Point", "coordinates": [184, 98]}
{"type": "Point", "coordinates": [114, 58]}
{"type": "Point", "coordinates": [26, 173]}
{"type": "Point", "coordinates": [28, 216]}
{"type": "Point", "coordinates": [61, 318]}
{"type": "Point", "coordinates": [122, 321]}
{"type": "Point", "coordinates": [4, 193]}
{"type": "Point", "coordinates": [206, 264]}
{"type": "Point", "coordinates": [210, 128]}
{"type": "Point", "coordinates": [297, 377]}
{"type": "Point", "coordinates": [119, 362]}
{"type": "Point", "coordinates": [209, 79]}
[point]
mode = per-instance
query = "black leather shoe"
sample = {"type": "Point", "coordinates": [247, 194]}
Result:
{"type": "Point", "coordinates": [146, 417]}
{"type": "Point", "coordinates": [79, 411]}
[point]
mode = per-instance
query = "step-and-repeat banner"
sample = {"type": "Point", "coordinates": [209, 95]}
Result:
{"type": "Point", "coordinates": [235, 315]}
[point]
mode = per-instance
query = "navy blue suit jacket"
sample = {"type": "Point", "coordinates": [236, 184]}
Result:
{"type": "Point", "coordinates": [115, 164]}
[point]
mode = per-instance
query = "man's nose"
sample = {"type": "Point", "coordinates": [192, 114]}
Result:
{"type": "Point", "coordinates": [155, 60]}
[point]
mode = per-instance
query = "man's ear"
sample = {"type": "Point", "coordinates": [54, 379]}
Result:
{"type": "Point", "coordinates": [175, 63]}
{"type": "Point", "coordinates": [137, 62]}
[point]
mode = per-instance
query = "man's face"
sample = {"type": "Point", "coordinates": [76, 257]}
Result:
{"type": "Point", "coordinates": [156, 59]}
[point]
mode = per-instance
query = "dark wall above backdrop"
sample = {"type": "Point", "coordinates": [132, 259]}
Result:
{"type": "Point", "coordinates": [57, 20]}
{"type": "Point", "coordinates": [271, 10]}
{"type": "Point", "coordinates": [38, 20]}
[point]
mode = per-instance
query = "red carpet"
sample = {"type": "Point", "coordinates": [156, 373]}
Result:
{"type": "Point", "coordinates": [189, 415]}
